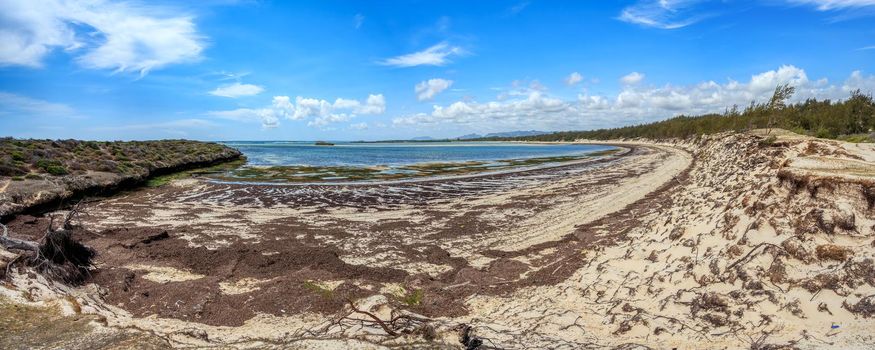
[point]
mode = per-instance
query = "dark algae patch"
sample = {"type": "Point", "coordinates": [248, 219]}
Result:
{"type": "Point", "coordinates": [290, 258]}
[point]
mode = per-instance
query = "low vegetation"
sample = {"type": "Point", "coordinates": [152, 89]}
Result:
{"type": "Point", "coordinates": [21, 159]}
{"type": "Point", "coordinates": [319, 289]}
{"type": "Point", "coordinates": [852, 119]}
{"type": "Point", "coordinates": [413, 298]}
{"type": "Point", "coordinates": [162, 180]}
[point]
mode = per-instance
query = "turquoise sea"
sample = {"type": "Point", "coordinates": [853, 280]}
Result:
{"type": "Point", "coordinates": [291, 153]}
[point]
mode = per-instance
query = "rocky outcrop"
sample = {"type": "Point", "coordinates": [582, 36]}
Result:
{"type": "Point", "coordinates": [44, 191]}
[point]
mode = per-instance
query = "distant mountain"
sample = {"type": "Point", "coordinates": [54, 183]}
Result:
{"type": "Point", "coordinates": [469, 136]}
{"type": "Point", "coordinates": [422, 138]}
{"type": "Point", "coordinates": [516, 133]}
{"type": "Point", "coordinates": [503, 134]}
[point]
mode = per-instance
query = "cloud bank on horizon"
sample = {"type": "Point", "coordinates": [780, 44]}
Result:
{"type": "Point", "coordinates": [106, 69]}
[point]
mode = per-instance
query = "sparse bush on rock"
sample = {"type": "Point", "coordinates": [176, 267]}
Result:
{"type": "Point", "coordinates": [63, 157]}
{"type": "Point", "coordinates": [72, 167]}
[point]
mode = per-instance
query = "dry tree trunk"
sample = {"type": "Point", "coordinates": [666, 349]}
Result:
{"type": "Point", "coordinates": [15, 243]}
{"type": "Point", "coordinates": [57, 255]}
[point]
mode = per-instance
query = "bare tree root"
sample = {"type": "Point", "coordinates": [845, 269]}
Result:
{"type": "Point", "coordinates": [398, 324]}
{"type": "Point", "coordinates": [15, 243]}
{"type": "Point", "coordinates": [750, 254]}
{"type": "Point", "coordinates": [56, 255]}
{"type": "Point", "coordinates": [376, 319]}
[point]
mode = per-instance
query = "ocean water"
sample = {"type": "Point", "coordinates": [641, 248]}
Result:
{"type": "Point", "coordinates": [290, 153]}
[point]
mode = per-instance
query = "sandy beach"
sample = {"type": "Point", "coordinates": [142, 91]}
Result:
{"type": "Point", "coordinates": [723, 241]}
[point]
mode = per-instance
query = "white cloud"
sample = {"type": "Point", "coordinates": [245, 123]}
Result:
{"type": "Point", "coordinates": [358, 20]}
{"type": "Point", "coordinates": [515, 9]}
{"type": "Point", "coordinates": [326, 119]}
{"type": "Point", "coordinates": [649, 103]}
{"type": "Point", "coordinates": [674, 14]}
{"type": "Point", "coordinates": [427, 90]}
{"type": "Point", "coordinates": [632, 78]}
{"type": "Point", "coordinates": [322, 111]}
{"type": "Point", "coordinates": [17, 105]}
{"type": "Point", "coordinates": [766, 81]}
{"type": "Point", "coordinates": [573, 79]}
{"type": "Point", "coordinates": [375, 104]}
{"type": "Point", "coordinates": [437, 55]}
{"type": "Point", "coordinates": [359, 126]}
{"type": "Point", "coordinates": [237, 90]}
{"type": "Point", "coordinates": [631, 105]}
{"type": "Point", "coordinates": [536, 85]}
{"type": "Point", "coordinates": [121, 36]}
{"type": "Point", "coordinates": [535, 105]}
{"type": "Point", "coordinates": [662, 14]}
{"type": "Point", "coordinates": [340, 111]}
{"type": "Point", "coordinates": [826, 5]}
{"type": "Point", "coordinates": [266, 116]}
{"type": "Point", "coordinates": [281, 107]}
{"type": "Point", "coordinates": [857, 81]}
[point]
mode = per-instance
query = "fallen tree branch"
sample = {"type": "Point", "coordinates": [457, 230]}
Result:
{"type": "Point", "coordinates": [374, 317]}
{"type": "Point", "coordinates": [15, 243]}
{"type": "Point", "coordinates": [749, 254]}
{"type": "Point", "coordinates": [56, 255]}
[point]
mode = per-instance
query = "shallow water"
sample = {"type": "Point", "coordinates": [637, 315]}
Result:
{"type": "Point", "coordinates": [284, 153]}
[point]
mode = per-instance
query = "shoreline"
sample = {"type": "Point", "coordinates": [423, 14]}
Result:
{"type": "Point", "coordinates": [621, 151]}
{"type": "Point", "coordinates": [610, 252]}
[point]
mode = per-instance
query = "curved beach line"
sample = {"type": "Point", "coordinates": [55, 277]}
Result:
{"type": "Point", "coordinates": [622, 151]}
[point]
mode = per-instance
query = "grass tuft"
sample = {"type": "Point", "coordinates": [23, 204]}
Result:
{"type": "Point", "coordinates": [322, 291]}
{"type": "Point", "coordinates": [413, 298]}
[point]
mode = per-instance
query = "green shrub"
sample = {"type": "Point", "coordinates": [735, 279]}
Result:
{"type": "Point", "coordinates": [768, 141]}
{"type": "Point", "coordinates": [56, 170]}
{"type": "Point", "coordinates": [414, 298]}
{"type": "Point", "coordinates": [11, 170]}
{"type": "Point", "coordinates": [45, 163]}
{"type": "Point", "coordinates": [53, 167]}
{"type": "Point", "coordinates": [18, 156]}
{"type": "Point", "coordinates": [857, 138]}
{"type": "Point", "coordinates": [824, 133]}
{"type": "Point", "coordinates": [325, 293]}
{"type": "Point", "coordinates": [59, 157]}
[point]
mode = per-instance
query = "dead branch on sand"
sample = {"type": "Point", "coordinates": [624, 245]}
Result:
{"type": "Point", "coordinates": [403, 323]}
{"type": "Point", "coordinates": [56, 255]}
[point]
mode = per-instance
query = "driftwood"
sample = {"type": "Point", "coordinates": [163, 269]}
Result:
{"type": "Point", "coordinates": [376, 319]}
{"type": "Point", "coordinates": [57, 255]}
{"type": "Point", "coordinates": [15, 243]}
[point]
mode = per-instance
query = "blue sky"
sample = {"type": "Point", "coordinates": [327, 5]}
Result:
{"type": "Point", "coordinates": [345, 70]}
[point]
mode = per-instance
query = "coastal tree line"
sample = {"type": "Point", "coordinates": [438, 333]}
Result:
{"type": "Point", "coordinates": [851, 119]}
